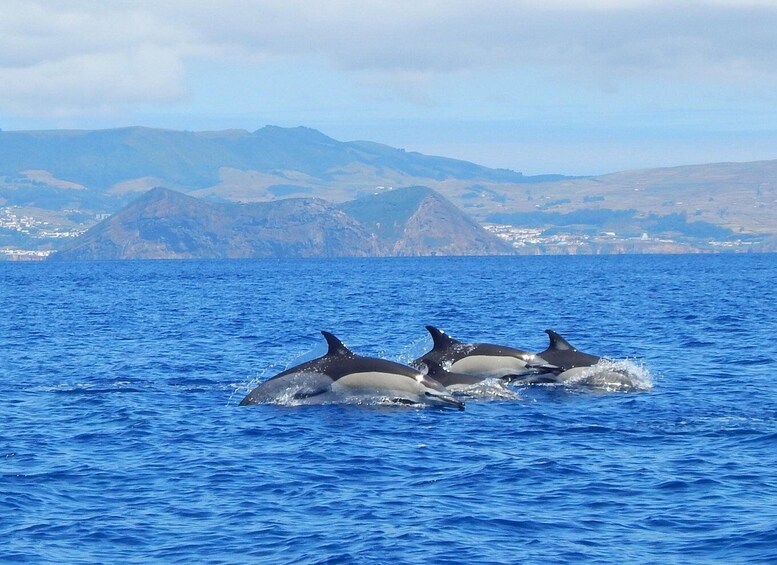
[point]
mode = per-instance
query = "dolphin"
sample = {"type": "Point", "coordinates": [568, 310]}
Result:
{"type": "Point", "coordinates": [564, 356]}
{"type": "Point", "coordinates": [342, 372]}
{"type": "Point", "coordinates": [448, 379]}
{"type": "Point", "coordinates": [561, 362]}
{"type": "Point", "coordinates": [484, 360]}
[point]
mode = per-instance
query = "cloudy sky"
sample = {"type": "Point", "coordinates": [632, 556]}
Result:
{"type": "Point", "coordinates": [550, 86]}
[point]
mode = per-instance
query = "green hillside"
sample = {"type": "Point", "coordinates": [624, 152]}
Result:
{"type": "Point", "coordinates": [47, 178]}
{"type": "Point", "coordinates": [386, 213]}
{"type": "Point", "coordinates": [191, 160]}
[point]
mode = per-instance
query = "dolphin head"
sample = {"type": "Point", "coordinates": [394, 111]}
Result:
{"type": "Point", "coordinates": [435, 393]}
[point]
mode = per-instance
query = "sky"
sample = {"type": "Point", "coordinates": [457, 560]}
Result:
{"type": "Point", "coordinates": [552, 86]}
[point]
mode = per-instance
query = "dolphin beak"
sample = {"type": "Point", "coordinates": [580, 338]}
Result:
{"type": "Point", "coordinates": [457, 403]}
{"type": "Point", "coordinates": [447, 399]}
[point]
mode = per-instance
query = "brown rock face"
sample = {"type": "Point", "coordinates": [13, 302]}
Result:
{"type": "Point", "coordinates": [164, 224]}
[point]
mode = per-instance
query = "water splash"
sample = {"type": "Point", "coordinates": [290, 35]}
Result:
{"type": "Point", "coordinates": [487, 390]}
{"type": "Point", "coordinates": [614, 376]}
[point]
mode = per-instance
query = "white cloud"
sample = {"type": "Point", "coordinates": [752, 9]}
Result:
{"type": "Point", "coordinates": [89, 57]}
{"type": "Point", "coordinates": [99, 82]}
{"type": "Point", "coordinates": [433, 35]}
{"type": "Point", "coordinates": [85, 55]}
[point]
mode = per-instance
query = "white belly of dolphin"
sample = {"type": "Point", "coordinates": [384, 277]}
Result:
{"type": "Point", "coordinates": [488, 365]}
{"type": "Point", "coordinates": [378, 383]}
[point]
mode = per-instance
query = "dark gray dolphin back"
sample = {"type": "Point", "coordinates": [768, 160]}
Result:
{"type": "Point", "coordinates": [444, 350]}
{"type": "Point", "coordinates": [558, 343]}
{"type": "Point", "coordinates": [316, 378]}
{"type": "Point", "coordinates": [336, 347]}
{"type": "Point", "coordinates": [340, 361]}
{"type": "Point", "coordinates": [337, 351]}
{"type": "Point", "coordinates": [443, 342]}
{"type": "Point", "coordinates": [441, 339]}
{"type": "Point", "coordinates": [310, 378]}
{"type": "Point", "coordinates": [448, 378]}
{"type": "Point", "coordinates": [564, 355]}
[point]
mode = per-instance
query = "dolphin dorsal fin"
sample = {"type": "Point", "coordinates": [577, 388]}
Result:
{"type": "Point", "coordinates": [336, 347]}
{"type": "Point", "coordinates": [440, 338]}
{"type": "Point", "coordinates": [558, 343]}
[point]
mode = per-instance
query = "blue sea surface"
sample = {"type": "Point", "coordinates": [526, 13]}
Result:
{"type": "Point", "coordinates": [121, 439]}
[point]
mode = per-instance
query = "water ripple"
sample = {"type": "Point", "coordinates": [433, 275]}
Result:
{"type": "Point", "coordinates": [121, 439]}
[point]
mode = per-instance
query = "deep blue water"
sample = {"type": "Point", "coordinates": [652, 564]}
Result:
{"type": "Point", "coordinates": [121, 439]}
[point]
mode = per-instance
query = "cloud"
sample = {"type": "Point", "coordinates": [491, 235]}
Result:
{"type": "Point", "coordinates": [73, 57]}
{"type": "Point", "coordinates": [439, 36]}
{"type": "Point", "coordinates": [100, 82]}
{"type": "Point", "coordinates": [68, 58]}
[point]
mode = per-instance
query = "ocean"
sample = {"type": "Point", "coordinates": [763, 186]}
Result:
{"type": "Point", "coordinates": [121, 438]}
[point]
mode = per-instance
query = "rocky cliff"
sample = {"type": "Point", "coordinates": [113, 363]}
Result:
{"type": "Point", "coordinates": [164, 224]}
{"type": "Point", "coordinates": [57, 184]}
{"type": "Point", "coordinates": [419, 221]}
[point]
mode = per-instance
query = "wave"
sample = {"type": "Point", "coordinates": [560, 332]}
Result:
{"type": "Point", "coordinates": [614, 376]}
{"type": "Point", "coordinates": [487, 390]}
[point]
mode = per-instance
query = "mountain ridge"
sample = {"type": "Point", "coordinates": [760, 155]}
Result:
{"type": "Point", "coordinates": [191, 160]}
{"type": "Point", "coordinates": [66, 180]}
{"type": "Point", "coordinates": [166, 224]}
